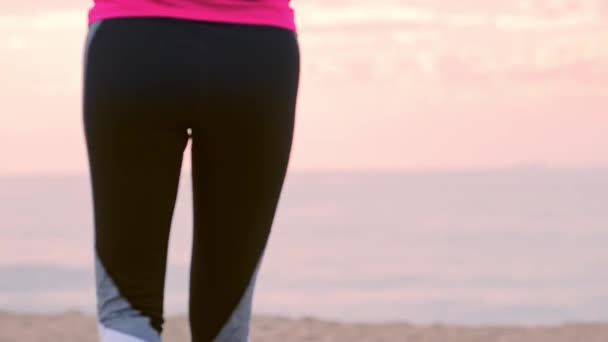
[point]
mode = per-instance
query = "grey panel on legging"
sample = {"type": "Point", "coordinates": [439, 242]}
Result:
{"type": "Point", "coordinates": [237, 326]}
{"type": "Point", "coordinates": [90, 34]}
{"type": "Point", "coordinates": [115, 312]}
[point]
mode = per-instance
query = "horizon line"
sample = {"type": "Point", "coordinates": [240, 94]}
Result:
{"type": "Point", "coordinates": [309, 171]}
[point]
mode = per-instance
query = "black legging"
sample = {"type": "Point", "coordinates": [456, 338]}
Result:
{"type": "Point", "coordinates": [150, 85]}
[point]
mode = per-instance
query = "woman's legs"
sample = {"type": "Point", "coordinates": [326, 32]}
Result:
{"type": "Point", "coordinates": [135, 142]}
{"type": "Point", "coordinates": [241, 141]}
{"type": "Point", "coordinates": [147, 80]}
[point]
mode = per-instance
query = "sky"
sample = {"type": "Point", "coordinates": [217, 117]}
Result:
{"type": "Point", "coordinates": [385, 85]}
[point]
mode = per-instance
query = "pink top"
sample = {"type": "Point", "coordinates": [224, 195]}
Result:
{"type": "Point", "coordinates": [268, 12]}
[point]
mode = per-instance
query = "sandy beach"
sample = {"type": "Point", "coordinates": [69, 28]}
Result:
{"type": "Point", "coordinates": [78, 327]}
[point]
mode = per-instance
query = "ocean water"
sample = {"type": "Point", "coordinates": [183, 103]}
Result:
{"type": "Point", "coordinates": [512, 246]}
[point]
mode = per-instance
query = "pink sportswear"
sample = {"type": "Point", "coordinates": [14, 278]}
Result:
{"type": "Point", "coordinates": [265, 12]}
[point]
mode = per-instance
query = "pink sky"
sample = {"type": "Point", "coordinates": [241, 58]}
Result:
{"type": "Point", "coordinates": [385, 84]}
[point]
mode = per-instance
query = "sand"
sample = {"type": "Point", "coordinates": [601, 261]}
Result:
{"type": "Point", "coordinates": [75, 326]}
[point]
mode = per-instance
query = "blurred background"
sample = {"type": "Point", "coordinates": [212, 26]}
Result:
{"type": "Point", "coordinates": [449, 164]}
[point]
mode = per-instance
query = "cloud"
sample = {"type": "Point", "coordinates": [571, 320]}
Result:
{"type": "Point", "coordinates": [28, 7]}
{"type": "Point", "coordinates": [62, 19]}
{"type": "Point", "coordinates": [311, 14]}
{"type": "Point", "coordinates": [16, 42]}
{"type": "Point", "coordinates": [437, 16]}
{"type": "Point", "coordinates": [527, 22]}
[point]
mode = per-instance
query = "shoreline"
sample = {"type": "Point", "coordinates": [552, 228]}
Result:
{"type": "Point", "coordinates": [77, 326]}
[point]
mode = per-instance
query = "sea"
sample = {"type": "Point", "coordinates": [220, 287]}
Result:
{"type": "Point", "coordinates": [521, 245]}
